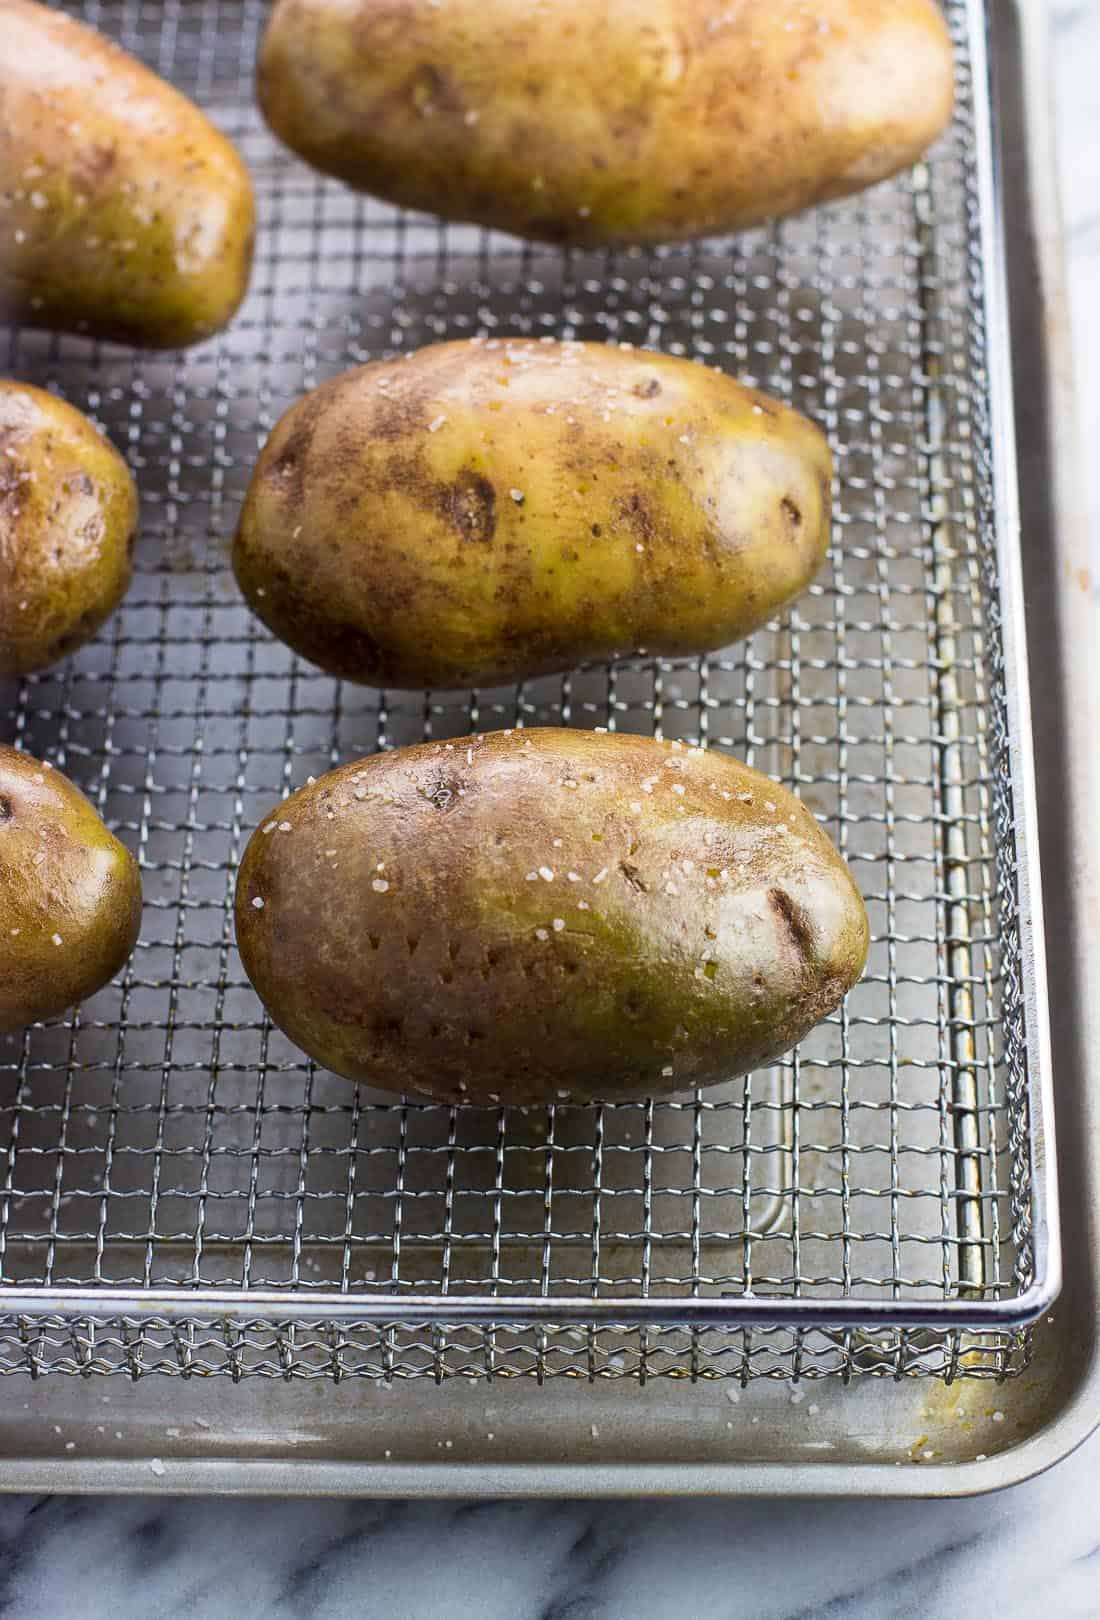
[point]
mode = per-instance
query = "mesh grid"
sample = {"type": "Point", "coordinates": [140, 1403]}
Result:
{"type": "Point", "coordinates": [165, 1134]}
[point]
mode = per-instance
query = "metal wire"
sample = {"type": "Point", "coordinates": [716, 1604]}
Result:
{"type": "Point", "coordinates": [165, 1134]}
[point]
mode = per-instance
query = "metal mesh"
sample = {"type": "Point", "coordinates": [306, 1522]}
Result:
{"type": "Point", "coordinates": [166, 1134]}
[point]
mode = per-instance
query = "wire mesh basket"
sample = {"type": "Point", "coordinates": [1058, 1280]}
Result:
{"type": "Point", "coordinates": [183, 1192]}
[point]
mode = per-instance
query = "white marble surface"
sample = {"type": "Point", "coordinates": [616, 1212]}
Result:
{"type": "Point", "coordinates": [1033, 1551]}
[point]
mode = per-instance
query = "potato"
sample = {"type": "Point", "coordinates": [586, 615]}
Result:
{"type": "Point", "coordinates": [70, 894]}
{"type": "Point", "coordinates": [485, 512]}
{"type": "Point", "coordinates": [124, 213]}
{"type": "Point", "coordinates": [607, 121]}
{"type": "Point", "coordinates": [531, 915]}
{"type": "Point", "coordinates": [68, 511]}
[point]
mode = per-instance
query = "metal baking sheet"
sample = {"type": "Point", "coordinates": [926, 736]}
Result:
{"type": "Point", "coordinates": [166, 1146]}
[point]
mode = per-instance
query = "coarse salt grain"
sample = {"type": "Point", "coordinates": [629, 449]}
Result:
{"type": "Point", "coordinates": [559, 924]}
{"type": "Point", "coordinates": [379, 885]}
{"type": "Point", "coordinates": [257, 902]}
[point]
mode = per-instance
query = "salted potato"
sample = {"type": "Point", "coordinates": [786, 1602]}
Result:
{"type": "Point", "coordinates": [68, 512]}
{"type": "Point", "coordinates": [489, 511]}
{"type": "Point", "coordinates": [607, 121]}
{"type": "Point", "coordinates": [70, 894]}
{"type": "Point", "coordinates": [124, 213]}
{"type": "Point", "coordinates": [533, 914]}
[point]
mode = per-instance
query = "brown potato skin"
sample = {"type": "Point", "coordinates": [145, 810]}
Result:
{"type": "Point", "coordinates": [124, 213]}
{"type": "Point", "coordinates": [68, 514]}
{"type": "Point", "coordinates": [600, 122]}
{"type": "Point", "coordinates": [489, 512]}
{"type": "Point", "coordinates": [85, 892]}
{"type": "Point", "coordinates": [410, 936]}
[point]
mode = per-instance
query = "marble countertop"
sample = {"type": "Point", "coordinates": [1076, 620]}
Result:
{"type": "Point", "coordinates": [1032, 1551]}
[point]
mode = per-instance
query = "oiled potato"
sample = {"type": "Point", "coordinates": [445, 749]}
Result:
{"type": "Point", "coordinates": [485, 512]}
{"type": "Point", "coordinates": [124, 213]}
{"type": "Point", "coordinates": [68, 510]}
{"type": "Point", "coordinates": [70, 894]}
{"type": "Point", "coordinates": [607, 121]}
{"type": "Point", "coordinates": [533, 913]}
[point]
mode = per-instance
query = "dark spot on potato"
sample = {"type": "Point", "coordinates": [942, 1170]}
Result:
{"type": "Point", "coordinates": [375, 941]}
{"type": "Point", "coordinates": [792, 514]}
{"type": "Point", "coordinates": [633, 877]}
{"type": "Point", "coordinates": [637, 513]}
{"type": "Point", "coordinates": [471, 505]}
{"type": "Point", "coordinates": [648, 389]}
{"type": "Point", "coordinates": [413, 943]}
{"type": "Point", "coordinates": [596, 530]}
{"type": "Point", "coordinates": [94, 164]}
{"type": "Point", "coordinates": [795, 922]}
{"type": "Point", "coordinates": [633, 1003]}
{"type": "Point", "coordinates": [6, 811]}
{"type": "Point", "coordinates": [431, 91]}
{"type": "Point", "coordinates": [284, 468]}
{"type": "Point", "coordinates": [442, 794]}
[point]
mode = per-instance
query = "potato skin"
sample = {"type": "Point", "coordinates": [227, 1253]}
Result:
{"type": "Point", "coordinates": [124, 213]}
{"type": "Point", "coordinates": [488, 512]}
{"type": "Point", "coordinates": [68, 512]}
{"type": "Point", "coordinates": [68, 921]}
{"type": "Point", "coordinates": [530, 914]}
{"type": "Point", "coordinates": [598, 122]}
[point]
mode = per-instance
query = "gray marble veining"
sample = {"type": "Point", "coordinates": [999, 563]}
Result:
{"type": "Point", "coordinates": [1032, 1552]}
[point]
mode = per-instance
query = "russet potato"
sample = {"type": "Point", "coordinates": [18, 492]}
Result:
{"type": "Point", "coordinates": [529, 915]}
{"type": "Point", "coordinates": [490, 511]}
{"type": "Point", "coordinates": [600, 122]}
